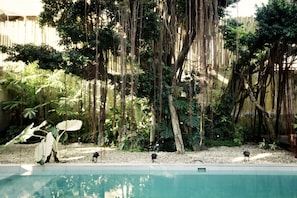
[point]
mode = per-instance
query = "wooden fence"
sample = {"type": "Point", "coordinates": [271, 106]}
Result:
{"type": "Point", "coordinates": [26, 31]}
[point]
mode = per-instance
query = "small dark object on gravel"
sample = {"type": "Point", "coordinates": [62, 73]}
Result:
{"type": "Point", "coordinates": [154, 157]}
{"type": "Point", "coordinates": [246, 155]}
{"type": "Point", "coordinates": [95, 157]}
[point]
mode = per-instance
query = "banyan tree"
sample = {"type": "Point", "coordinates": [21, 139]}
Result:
{"type": "Point", "coordinates": [264, 72]}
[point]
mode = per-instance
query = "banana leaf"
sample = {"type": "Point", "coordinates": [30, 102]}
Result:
{"type": "Point", "coordinates": [69, 125]}
{"type": "Point", "coordinates": [26, 134]}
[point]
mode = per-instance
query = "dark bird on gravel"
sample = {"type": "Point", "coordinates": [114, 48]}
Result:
{"type": "Point", "coordinates": [154, 157]}
{"type": "Point", "coordinates": [95, 157]}
{"type": "Point", "coordinates": [246, 155]}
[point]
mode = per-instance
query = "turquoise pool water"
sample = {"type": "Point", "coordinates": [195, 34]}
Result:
{"type": "Point", "coordinates": [149, 181]}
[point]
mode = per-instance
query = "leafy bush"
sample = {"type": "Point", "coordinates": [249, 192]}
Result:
{"type": "Point", "coordinates": [217, 143]}
{"type": "Point", "coordinates": [240, 134]}
{"type": "Point", "coordinates": [266, 145]}
{"type": "Point", "coordinates": [136, 141]}
{"type": "Point", "coordinates": [47, 56]}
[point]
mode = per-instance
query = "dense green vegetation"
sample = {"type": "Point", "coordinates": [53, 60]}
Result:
{"type": "Point", "coordinates": [133, 109]}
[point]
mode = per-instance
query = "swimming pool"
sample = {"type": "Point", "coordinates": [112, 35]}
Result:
{"type": "Point", "coordinates": [148, 181]}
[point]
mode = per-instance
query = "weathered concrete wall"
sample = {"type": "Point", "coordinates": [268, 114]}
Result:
{"type": "Point", "coordinates": [248, 110]}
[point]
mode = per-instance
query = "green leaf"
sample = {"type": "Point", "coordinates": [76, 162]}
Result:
{"type": "Point", "coordinates": [29, 113]}
{"type": "Point", "coordinates": [10, 105]}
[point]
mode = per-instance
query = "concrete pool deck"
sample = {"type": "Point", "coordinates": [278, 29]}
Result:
{"type": "Point", "coordinates": [7, 170]}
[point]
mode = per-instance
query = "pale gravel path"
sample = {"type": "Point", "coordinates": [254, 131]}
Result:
{"type": "Point", "coordinates": [82, 153]}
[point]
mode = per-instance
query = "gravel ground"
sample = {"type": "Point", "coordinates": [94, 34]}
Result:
{"type": "Point", "coordinates": [82, 153]}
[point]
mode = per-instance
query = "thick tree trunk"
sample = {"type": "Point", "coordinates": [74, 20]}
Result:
{"type": "Point", "coordinates": [202, 69]}
{"type": "Point", "coordinates": [133, 28]}
{"type": "Point", "coordinates": [102, 117]}
{"type": "Point", "coordinates": [94, 129]}
{"type": "Point", "coordinates": [267, 119]}
{"type": "Point", "coordinates": [153, 129]}
{"type": "Point", "coordinates": [154, 112]}
{"type": "Point", "coordinates": [123, 78]}
{"type": "Point", "coordinates": [114, 112]}
{"type": "Point", "coordinates": [175, 126]}
{"type": "Point", "coordinates": [290, 117]}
